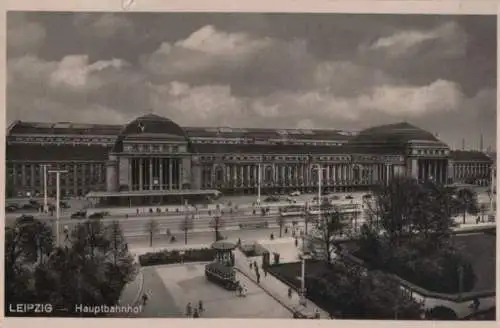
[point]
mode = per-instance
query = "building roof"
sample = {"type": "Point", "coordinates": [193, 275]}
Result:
{"type": "Point", "coordinates": [398, 133]}
{"type": "Point", "coordinates": [255, 133]}
{"type": "Point", "coordinates": [64, 128]}
{"type": "Point", "coordinates": [51, 152]}
{"type": "Point", "coordinates": [469, 155]}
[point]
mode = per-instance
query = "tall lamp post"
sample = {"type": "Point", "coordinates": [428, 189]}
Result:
{"type": "Point", "coordinates": [58, 196]}
{"type": "Point", "coordinates": [302, 299]}
{"type": "Point", "coordinates": [45, 202]}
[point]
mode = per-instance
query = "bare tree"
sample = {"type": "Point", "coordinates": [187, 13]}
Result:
{"type": "Point", "coordinates": [217, 223]}
{"type": "Point", "coordinates": [152, 229]}
{"type": "Point", "coordinates": [327, 229]}
{"type": "Point", "coordinates": [186, 224]}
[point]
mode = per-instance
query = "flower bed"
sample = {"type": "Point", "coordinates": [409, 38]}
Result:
{"type": "Point", "coordinates": [174, 256]}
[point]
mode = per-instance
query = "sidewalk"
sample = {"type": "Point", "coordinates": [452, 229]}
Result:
{"type": "Point", "coordinates": [275, 288]}
{"type": "Point", "coordinates": [132, 291]}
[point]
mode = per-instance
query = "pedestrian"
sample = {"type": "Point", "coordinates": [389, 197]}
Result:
{"type": "Point", "coordinates": [478, 219]}
{"type": "Point", "coordinates": [196, 314]}
{"type": "Point", "coordinates": [296, 242]}
{"type": "Point", "coordinates": [258, 278]}
{"type": "Point", "coordinates": [200, 306]}
{"type": "Point", "coordinates": [251, 265]}
{"type": "Point", "coordinates": [272, 236]}
{"type": "Point", "coordinates": [144, 299]}
{"type": "Point", "coordinates": [290, 292]}
{"type": "Point", "coordinates": [239, 241]}
{"type": "Point", "coordinates": [316, 314]}
{"type": "Point", "coordinates": [189, 309]}
{"type": "Point", "coordinates": [286, 230]}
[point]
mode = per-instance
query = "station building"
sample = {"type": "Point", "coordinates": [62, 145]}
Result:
{"type": "Point", "coordinates": [153, 155]}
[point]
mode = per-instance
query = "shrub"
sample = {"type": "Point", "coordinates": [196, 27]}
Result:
{"type": "Point", "coordinates": [174, 256]}
{"type": "Point", "coordinates": [441, 313]}
{"type": "Point", "coordinates": [251, 250]}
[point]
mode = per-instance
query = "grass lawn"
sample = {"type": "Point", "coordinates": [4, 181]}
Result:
{"type": "Point", "coordinates": [480, 251]}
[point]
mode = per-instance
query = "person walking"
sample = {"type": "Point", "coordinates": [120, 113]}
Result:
{"type": "Point", "coordinates": [200, 306]}
{"type": "Point", "coordinates": [196, 314]}
{"type": "Point", "coordinates": [290, 292]}
{"type": "Point", "coordinates": [189, 309]}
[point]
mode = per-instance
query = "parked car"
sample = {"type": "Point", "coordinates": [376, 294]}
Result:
{"type": "Point", "coordinates": [25, 218]}
{"type": "Point", "coordinates": [63, 204]}
{"type": "Point", "coordinates": [271, 199]}
{"type": "Point", "coordinates": [79, 215]}
{"type": "Point", "coordinates": [295, 193]}
{"type": "Point", "coordinates": [96, 215]}
{"type": "Point", "coordinates": [335, 197]}
{"type": "Point", "coordinates": [10, 208]}
{"type": "Point", "coordinates": [349, 197]}
{"type": "Point", "coordinates": [367, 196]}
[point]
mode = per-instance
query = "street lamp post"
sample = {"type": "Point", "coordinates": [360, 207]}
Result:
{"type": "Point", "coordinates": [45, 202]}
{"type": "Point", "coordinates": [58, 196]}
{"type": "Point", "coordinates": [302, 299]}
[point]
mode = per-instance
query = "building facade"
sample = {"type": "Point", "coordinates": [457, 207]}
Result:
{"type": "Point", "coordinates": [154, 153]}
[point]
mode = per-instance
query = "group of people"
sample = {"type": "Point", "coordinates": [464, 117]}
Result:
{"type": "Point", "coordinates": [194, 311]}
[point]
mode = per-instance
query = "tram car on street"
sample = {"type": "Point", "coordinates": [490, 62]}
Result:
{"type": "Point", "coordinates": [221, 275]}
{"type": "Point", "coordinates": [292, 211]}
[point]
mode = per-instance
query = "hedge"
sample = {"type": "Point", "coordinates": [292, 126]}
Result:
{"type": "Point", "coordinates": [251, 250]}
{"type": "Point", "coordinates": [174, 256]}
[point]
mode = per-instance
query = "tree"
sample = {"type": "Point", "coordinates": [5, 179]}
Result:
{"type": "Point", "coordinates": [186, 224]}
{"type": "Point", "coordinates": [93, 269]}
{"type": "Point", "coordinates": [37, 239]}
{"type": "Point", "coordinates": [280, 220]}
{"type": "Point", "coordinates": [467, 202]}
{"type": "Point", "coordinates": [217, 223]}
{"type": "Point", "coordinates": [152, 229]}
{"type": "Point", "coordinates": [352, 292]}
{"type": "Point", "coordinates": [328, 227]}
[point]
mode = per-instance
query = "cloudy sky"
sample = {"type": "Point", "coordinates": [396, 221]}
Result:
{"type": "Point", "coordinates": [257, 70]}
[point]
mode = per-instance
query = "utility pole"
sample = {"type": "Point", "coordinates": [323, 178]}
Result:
{"type": "Point", "coordinates": [44, 168]}
{"type": "Point", "coordinates": [58, 200]}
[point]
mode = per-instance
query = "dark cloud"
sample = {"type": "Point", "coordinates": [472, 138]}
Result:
{"type": "Point", "coordinates": [281, 70]}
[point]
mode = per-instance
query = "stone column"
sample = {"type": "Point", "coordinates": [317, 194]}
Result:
{"type": "Point", "coordinates": [23, 178]}
{"type": "Point", "coordinates": [170, 182]}
{"type": "Point", "coordinates": [180, 170]}
{"type": "Point", "coordinates": [161, 182]}
{"type": "Point", "coordinates": [129, 168]}
{"type": "Point", "coordinates": [414, 168]}
{"type": "Point", "coordinates": [150, 167]}
{"type": "Point", "coordinates": [141, 178]}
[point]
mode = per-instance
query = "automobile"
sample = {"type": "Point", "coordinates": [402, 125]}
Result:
{"type": "Point", "coordinates": [79, 215]}
{"type": "Point", "coordinates": [326, 192]}
{"type": "Point", "coordinates": [11, 208]}
{"type": "Point", "coordinates": [30, 207]}
{"type": "Point", "coordinates": [367, 196]}
{"type": "Point", "coordinates": [349, 197]}
{"type": "Point", "coordinates": [271, 199]}
{"type": "Point", "coordinates": [25, 218]}
{"type": "Point", "coordinates": [63, 204]}
{"type": "Point", "coordinates": [335, 197]}
{"type": "Point", "coordinates": [295, 193]}
{"type": "Point", "coordinates": [96, 215]}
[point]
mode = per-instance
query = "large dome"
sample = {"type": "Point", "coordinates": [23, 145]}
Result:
{"type": "Point", "coordinates": [146, 127]}
{"type": "Point", "coordinates": [399, 133]}
{"type": "Point", "coordinates": [153, 124]}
